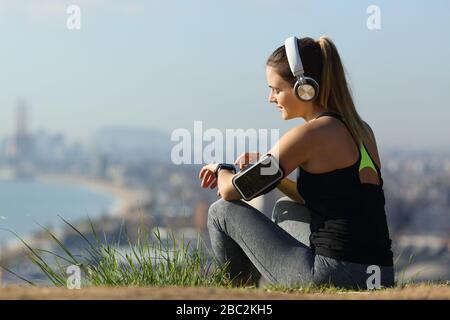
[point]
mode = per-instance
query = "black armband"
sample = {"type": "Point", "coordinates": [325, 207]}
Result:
{"type": "Point", "coordinates": [258, 179]}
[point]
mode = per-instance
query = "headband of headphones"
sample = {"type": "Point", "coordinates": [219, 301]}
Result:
{"type": "Point", "coordinates": [293, 56]}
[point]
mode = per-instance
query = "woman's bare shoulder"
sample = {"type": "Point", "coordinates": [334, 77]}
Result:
{"type": "Point", "coordinates": [326, 131]}
{"type": "Point", "coordinates": [311, 132]}
{"type": "Point", "coordinates": [324, 127]}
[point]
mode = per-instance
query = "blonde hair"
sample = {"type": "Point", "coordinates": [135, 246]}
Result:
{"type": "Point", "coordinates": [335, 93]}
{"type": "Point", "coordinates": [321, 61]}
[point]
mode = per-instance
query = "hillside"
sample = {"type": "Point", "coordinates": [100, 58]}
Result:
{"type": "Point", "coordinates": [202, 293]}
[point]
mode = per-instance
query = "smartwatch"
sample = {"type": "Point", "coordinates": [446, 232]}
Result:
{"type": "Point", "coordinates": [226, 166]}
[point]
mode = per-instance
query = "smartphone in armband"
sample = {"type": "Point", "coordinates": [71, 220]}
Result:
{"type": "Point", "coordinates": [259, 177]}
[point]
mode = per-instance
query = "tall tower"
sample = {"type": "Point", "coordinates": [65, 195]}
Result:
{"type": "Point", "coordinates": [21, 118]}
{"type": "Point", "coordinates": [22, 142]}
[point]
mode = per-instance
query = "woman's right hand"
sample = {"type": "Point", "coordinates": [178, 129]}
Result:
{"type": "Point", "coordinates": [246, 159]}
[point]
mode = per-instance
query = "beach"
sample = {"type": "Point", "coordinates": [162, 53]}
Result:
{"type": "Point", "coordinates": [126, 197]}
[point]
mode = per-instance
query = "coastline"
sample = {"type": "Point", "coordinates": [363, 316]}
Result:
{"type": "Point", "coordinates": [125, 200]}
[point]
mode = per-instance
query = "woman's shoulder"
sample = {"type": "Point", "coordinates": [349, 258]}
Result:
{"type": "Point", "coordinates": [324, 128]}
{"type": "Point", "coordinates": [311, 135]}
{"type": "Point", "coordinates": [315, 126]}
{"type": "Point", "coordinates": [331, 130]}
{"type": "Point", "coordinates": [313, 132]}
{"type": "Point", "coordinates": [330, 136]}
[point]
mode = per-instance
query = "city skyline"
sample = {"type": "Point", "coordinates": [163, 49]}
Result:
{"type": "Point", "coordinates": [166, 65]}
{"type": "Point", "coordinates": [22, 128]}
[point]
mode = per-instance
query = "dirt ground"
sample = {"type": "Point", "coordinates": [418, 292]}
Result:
{"type": "Point", "coordinates": [172, 293]}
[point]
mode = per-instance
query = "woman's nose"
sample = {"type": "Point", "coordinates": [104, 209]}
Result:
{"type": "Point", "coordinates": [272, 99]}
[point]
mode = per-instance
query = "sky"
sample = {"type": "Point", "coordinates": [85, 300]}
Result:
{"type": "Point", "coordinates": [166, 64]}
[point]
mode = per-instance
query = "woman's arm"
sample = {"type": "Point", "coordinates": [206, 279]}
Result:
{"type": "Point", "coordinates": [294, 147]}
{"type": "Point", "coordinates": [226, 188]}
{"type": "Point", "coordinates": [291, 150]}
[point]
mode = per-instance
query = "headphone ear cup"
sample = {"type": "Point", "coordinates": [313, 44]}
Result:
{"type": "Point", "coordinates": [308, 90]}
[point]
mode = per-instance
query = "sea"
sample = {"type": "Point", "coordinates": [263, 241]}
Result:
{"type": "Point", "coordinates": [29, 205]}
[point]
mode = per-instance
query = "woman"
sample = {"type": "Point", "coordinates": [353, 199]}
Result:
{"type": "Point", "coordinates": [335, 210]}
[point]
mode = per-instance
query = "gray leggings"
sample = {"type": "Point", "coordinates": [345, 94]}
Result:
{"type": "Point", "coordinates": [279, 250]}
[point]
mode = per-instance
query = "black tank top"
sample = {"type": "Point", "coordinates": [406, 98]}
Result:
{"type": "Point", "coordinates": [348, 217]}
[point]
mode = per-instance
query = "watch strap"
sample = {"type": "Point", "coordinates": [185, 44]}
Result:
{"type": "Point", "coordinates": [226, 166]}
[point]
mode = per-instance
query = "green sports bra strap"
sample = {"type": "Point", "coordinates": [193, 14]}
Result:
{"type": "Point", "coordinates": [366, 160]}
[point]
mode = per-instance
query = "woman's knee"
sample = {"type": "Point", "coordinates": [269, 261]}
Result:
{"type": "Point", "coordinates": [287, 209]}
{"type": "Point", "coordinates": [220, 209]}
{"type": "Point", "coordinates": [294, 218]}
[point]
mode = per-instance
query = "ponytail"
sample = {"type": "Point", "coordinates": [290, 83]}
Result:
{"type": "Point", "coordinates": [335, 93]}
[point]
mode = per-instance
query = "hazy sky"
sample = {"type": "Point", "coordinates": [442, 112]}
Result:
{"type": "Point", "coordinates": [167, 63]}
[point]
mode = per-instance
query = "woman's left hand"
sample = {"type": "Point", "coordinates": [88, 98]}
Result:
{"type": "Point", "coordinates": [208, 177]}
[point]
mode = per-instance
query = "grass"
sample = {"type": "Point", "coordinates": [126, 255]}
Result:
{"type": "Point", "coordinates": [150, 261]}
{"type": "Point", "coordinates": [311, 288]}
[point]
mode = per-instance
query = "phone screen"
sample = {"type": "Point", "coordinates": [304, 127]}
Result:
{"type": "Point", "coordinates": [257, 178]}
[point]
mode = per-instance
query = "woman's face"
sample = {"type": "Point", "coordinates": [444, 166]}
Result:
{"type": "Point", "coordinates": [282, 94]}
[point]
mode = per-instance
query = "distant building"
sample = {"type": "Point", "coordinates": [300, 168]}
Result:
{"type": "Point", "coordinates": [21, 148]}
{"type": "Point", "coordinates": [101, 166]}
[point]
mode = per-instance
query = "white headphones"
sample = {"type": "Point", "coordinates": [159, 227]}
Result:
{"type": "Point", "coordinates": [305, 88]}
